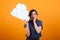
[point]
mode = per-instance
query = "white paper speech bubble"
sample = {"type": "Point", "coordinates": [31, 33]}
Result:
{"type": "Point", "coordinates": [20, 12]}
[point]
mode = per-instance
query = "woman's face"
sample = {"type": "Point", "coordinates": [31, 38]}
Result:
{"type": "Point", "coordinates": [33, 15]}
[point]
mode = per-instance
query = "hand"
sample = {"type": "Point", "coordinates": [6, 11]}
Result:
{"type": "Point", "coordinates": [34, 20]}
{"type": "Point", "coordinates": [26, 22]}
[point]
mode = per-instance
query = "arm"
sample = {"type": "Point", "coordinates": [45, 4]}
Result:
{"type": "Point", "coordinates": [27, 29]}
{"type": "Point", "coordinates": [38, 29]}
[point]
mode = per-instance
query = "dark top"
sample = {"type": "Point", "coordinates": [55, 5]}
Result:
{"type": "Point", "coordinates": [33, 33]}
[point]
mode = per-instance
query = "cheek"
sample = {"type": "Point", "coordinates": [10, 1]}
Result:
{"type": "Point", "coordinates": [34, 15]}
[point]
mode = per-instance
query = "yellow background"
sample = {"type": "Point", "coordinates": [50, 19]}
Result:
{"type": "Point", "coordinates": [12, 28]}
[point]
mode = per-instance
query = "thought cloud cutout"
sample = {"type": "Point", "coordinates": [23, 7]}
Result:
{"type": "Point", "coordinates": [20, 11]}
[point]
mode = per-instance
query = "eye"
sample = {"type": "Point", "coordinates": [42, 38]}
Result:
{"type": "Point", "coordinates": [34, 13]}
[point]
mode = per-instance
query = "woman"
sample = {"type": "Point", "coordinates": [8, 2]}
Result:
{"type": "Point", "coordinates": [33, 26]}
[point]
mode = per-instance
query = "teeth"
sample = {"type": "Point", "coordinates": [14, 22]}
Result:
{"type": "Point", "coordinates": [20, 12]}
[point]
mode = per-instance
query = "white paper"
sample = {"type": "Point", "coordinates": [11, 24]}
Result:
{"type": "Point", "coordinates": [20, 12]}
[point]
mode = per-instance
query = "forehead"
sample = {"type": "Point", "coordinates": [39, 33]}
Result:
{"type": "Point", "coordinates": [33, 12]}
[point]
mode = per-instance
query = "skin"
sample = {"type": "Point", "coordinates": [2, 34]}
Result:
{"type": "Point", "coordinates": [32, 17]}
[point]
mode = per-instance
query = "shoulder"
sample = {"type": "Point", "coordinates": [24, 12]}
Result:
{"type": "Point", "coordinates": [39, 21]}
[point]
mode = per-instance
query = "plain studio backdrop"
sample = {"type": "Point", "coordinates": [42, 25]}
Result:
{"type": "Point", "coordinates": [12, 28]}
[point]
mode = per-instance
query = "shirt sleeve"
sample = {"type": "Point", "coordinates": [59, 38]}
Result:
{"type": "Point", "coordinates": [40, 24]}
